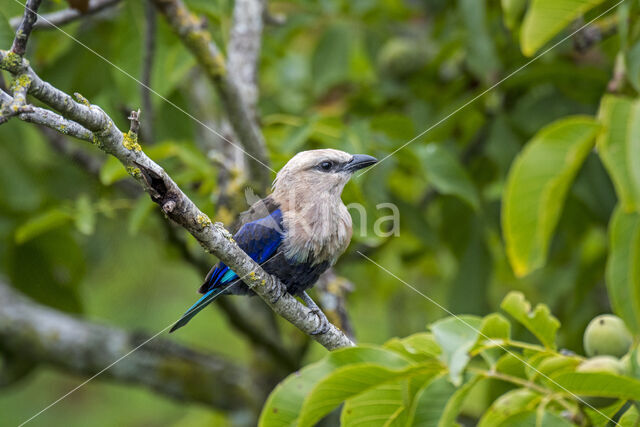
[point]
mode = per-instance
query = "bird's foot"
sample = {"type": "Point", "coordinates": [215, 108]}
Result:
{"type": "Point", "coordinates": [324, 324]}
{"type": "Point", "coordinates": [276, 294]}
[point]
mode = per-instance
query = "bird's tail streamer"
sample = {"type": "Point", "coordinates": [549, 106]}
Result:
{"type": "Point", "coordinates": [198, 306]}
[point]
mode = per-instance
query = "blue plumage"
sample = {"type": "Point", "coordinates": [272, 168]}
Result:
{"type": "Point", "coordinates": [259, 239]}
{"type": "Point", "coordinates": [317, 230]}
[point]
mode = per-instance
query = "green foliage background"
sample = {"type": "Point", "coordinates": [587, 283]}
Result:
{"type": "Point", "coordinates": [366, 77]}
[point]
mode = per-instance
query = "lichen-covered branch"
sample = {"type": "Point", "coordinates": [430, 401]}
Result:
{"type": "Point", "coordinates": [199, 42]}
{"type": "Point", "coordinates": [44, 117]}
{"type": "Point", "coordinates": [26, 25]}
{"type": "Point", "coordinates": [12, 106]}
{"type": "Point", "coordinates": [176, 205]}
{"type": "Point", "coordinates": [239, 316]}
{"type": "Point", "coordinates": [62, 17]}
{"type": "Point", "coordinates": [44, 335]}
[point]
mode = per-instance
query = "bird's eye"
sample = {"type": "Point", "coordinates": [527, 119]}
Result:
{"type": "Point", "coordinates": [326, 165]}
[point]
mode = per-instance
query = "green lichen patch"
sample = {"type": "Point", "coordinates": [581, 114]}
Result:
{"type": "Point", "coordinates": [203, 220]}
{"type": "Point", "coordinates": [130, 141]}
{"type": "Point", "coordinates": [11, 61]}
{"type": "Point", "coordinates": [81, 99]}
{"type": "Point", "coordinates": [134, 172]}
{"type": "Point", "coordinates": [22, 81]}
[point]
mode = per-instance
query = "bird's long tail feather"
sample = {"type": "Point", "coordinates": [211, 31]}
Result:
{"type": "Point", "coordinates": [198, 306]}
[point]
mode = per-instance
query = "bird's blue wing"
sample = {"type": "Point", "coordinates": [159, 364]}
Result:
{"type": "Point", "coordinates": [259, 239]}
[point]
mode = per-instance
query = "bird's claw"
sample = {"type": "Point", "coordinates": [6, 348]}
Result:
{"type": "Point", "coordinates": [324, 324]}
{"type": "Point", "coordinates": [276, 295]}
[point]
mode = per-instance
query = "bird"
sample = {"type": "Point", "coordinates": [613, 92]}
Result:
{"type": "Point", "coordinates": [295, 233]}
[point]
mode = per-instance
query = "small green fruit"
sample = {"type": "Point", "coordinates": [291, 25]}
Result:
{"type": "Point", "coordinates": [600, 364]}
{"type": "Point", "coordinates": [607, 335]}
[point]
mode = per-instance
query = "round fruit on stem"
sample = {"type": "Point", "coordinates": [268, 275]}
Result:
{"type": "Point", "coordinates": [602, 365]}
{"type": "Point", "coordinates": [607, 335]}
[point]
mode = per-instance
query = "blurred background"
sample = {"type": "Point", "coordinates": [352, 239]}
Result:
{"type": "Point", "coordinates": [362, 76]}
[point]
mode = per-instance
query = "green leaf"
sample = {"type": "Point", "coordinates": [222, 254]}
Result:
{"type": "Point", "coordinates": [481, 57]}
{"type": "Point", "coordinates": [598, 384]}
{"type": "Point", "coordinates": [633, 65]}
{"type": "Point", "coordinates": [546, 18]}
{"type": "Point", "coordinates": [618, 144]}
{"type": "Point", "coordinates": [383, 406]}
{"type": "Point", "coordinates": [535, 418]}
{"type": "Point", "coordinates": [454, 404]}
{"type": "Point", "coordinates": [623, 267]}
{"type": "Point", "coordinates": [631, 418]}
{"type": "Point", "coordinates": [511, 364]}
{"type": "Point", "coordinates": [537, 186]}
{"type": "Point", "coordinates": [544, 365]}
{"type": "Point", "coordinates": [494, 328]}
{"type": "Point", "coordinates": [508, 404]}
{"type": "Point", "coordinates": [85, 215]}
{"type": "Point", "coordinates": [285, 401]}
{"type": "Point", "coordinates": [447, 175]}
{"type": "Point", "coordinates": [430, 402]}
{"type": "Point", "coordinates": [419, 346]}
{"type": "Point", "coordinates": [42, 223]}
{"type": "Point", "coordinates": [512, 11]}
{"type": "Point", "coordinates": [112, 171]}
{"type": "Point", "coordinates": [603, 416]}
{"type": "Point", "coordinates": [540, 322]}
{"type": "Point", "coordinates": [6, 32]}
{"type": "Point", "coordinates": [352, 380]}
{"type": "Point", "coordinates": [456, 336]}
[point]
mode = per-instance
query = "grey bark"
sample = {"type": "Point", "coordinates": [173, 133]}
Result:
{"type": "Point", "coordinates": [176, 205]}
{"type": "Point", "coordinates": [44, 335]}
{"type": "Point", "coordinates": [208, 55]}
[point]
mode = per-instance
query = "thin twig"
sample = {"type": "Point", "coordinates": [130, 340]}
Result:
{"type": "Point", "coordinates": [23, 32]}
{"type": "Point", "coordinates": [62, 17]}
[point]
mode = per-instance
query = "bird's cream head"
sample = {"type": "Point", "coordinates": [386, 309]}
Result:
{"type": "Point", "coordinates": [319, 172]}
{"type": "Point", "coordinates": [307, 189]}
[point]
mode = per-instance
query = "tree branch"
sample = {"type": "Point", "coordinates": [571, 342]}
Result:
{"type": "Point", "coordinates": [239, 317]}
{"type": "Point", "coordinates": [24, 29]}
{"type": "Point", "coordinates": [148, 56]}
{"type": "Point", "coordinates": [243, 50]}
{"type": "Point", "coordinates": [176, 205]}
{"type": "Point", "coordinates": [198, 40]}
{"type": "Point", "coordinates": [41, 334]}
{"type": "Point", "coordinates": [62, 17]}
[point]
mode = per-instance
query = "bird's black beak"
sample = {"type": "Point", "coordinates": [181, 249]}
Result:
{"type": "Point", "coordinates": [359, 161]}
